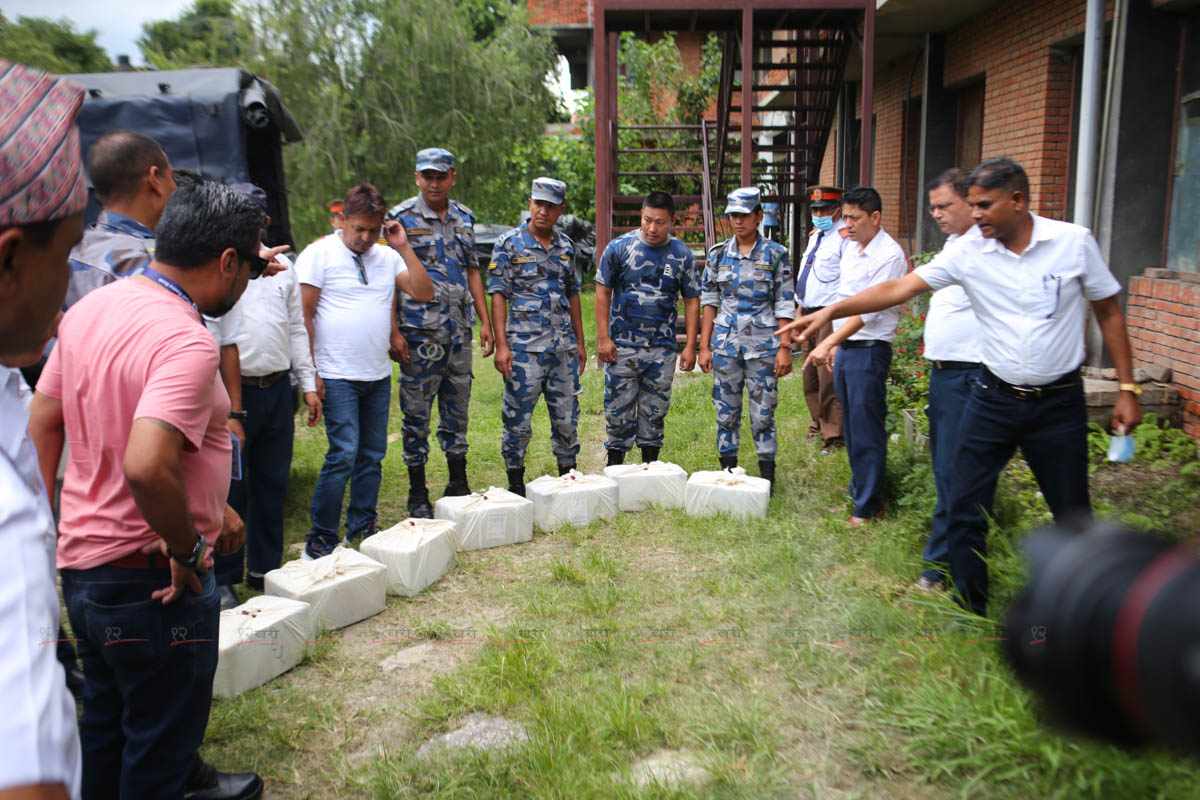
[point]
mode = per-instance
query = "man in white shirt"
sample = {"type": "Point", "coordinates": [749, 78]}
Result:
{"type": "Point", "coordinates": [347, 287]}
{"type": "Point", "coordinates": [817, 287]}
{"type": "Point", "coordinates": [1030, 281]}
{"type": "Point", "coordinates": [860, 349]}
{"type": "Point", "coordinates": [952, 349]}
{"type": "Point", "coordinates": [42, 198]}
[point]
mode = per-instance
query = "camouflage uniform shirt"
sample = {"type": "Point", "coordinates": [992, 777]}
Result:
{"type": "Point", "coordinates": [538, 285]}
{"type": "Point", "coordinates": [447, 251]}
{"type": "Point", "coordinates": [646, 282]}
{"type": "Point", "coordinates": [115, 247]}
{"type": "Point", "coordinates": [750, 293]}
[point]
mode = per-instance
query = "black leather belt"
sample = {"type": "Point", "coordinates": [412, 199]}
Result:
{"type": "Point", "coordinates": [812, 310]}
{"type": "Point", "coordinates": [264, 381]}
{"type": "Point", "coordinates": [851, 344]}
{"type": "Point", "coordinates": [1062, 383]}
{"type": "Point", "coordinates": [954, 364]}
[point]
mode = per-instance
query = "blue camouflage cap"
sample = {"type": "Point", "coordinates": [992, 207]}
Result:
{"type": "Point", "coordinates": [435, 158]}
{"type": "Point", "coordinates": [550, 190]}
{"type": "Point", "coordinates": [743, 200]}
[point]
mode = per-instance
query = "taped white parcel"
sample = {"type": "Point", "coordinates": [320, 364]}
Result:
{"type": "Point", "coordinates": [571, 499]}
{"type": "Point", "coordinates": [490, 518]}
{"type": "Point", "coordinates": [731, 491]}
{"type": "Point", "coordinates": [261, 639]}
{"type": "Point", "coordinates": [658, 484]}
{"type": "Point", "coordinates": [416, 552]}
{"type": "Point", "coordinates": [343, 587]}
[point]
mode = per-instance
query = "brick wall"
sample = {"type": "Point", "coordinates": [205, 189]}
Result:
{"type": "Point", "coordinates": [829, 159]}
{"type": "Point", "coordinates": [1027, 100]}
{"type": "Point", "coordinates": [891, 89]}
{"type": "Point", "coordinates": [560, 12]}
{"type": "Point", "coordinates": [1164, 327]}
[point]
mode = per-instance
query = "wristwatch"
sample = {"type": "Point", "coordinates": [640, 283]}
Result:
{"type": "Point", "coordinates": [239, 415]}
{"type": "Point", "coordinates": [1131, 387]}
{"type": "Point", "coordinates": [193, 560]}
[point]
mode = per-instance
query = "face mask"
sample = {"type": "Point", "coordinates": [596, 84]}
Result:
{"type": "Point", "coordinates": [823, 224]}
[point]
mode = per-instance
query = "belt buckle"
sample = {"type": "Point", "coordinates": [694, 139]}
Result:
{"type": "Point", "coordinates": [1027, 392]}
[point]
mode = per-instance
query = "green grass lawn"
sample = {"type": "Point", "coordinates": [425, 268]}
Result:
{"type": "Point", "coordinates": [790, 654]}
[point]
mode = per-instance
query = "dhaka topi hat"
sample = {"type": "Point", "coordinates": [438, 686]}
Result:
{"type": "Point", "coordinates": [41, 166]}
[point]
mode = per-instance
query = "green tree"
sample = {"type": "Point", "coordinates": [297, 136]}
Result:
{"type": "Point", "coordinates": [486, 16]}
{"type": "Point", "coordinates": [51, 45]}
{"type": "Point", "coordinates": [209, 32]}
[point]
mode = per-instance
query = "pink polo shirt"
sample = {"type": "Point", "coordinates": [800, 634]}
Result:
{"type": "Point", "coordinates": [130, 350]}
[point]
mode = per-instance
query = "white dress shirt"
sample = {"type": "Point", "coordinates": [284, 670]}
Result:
{"type": "Point", "coordinates": [951, 330]}
{"type": "Point", "coordinates": [38, 728]}
{"type": "Point", "coordinates": [862, 267]}
{"type": "Point", "coordinates": [273, 337]}
{"type": "Point", "coordinates": [353, 321]}
{"type": "Point", "coordinates": [821, 288]}
{"type": "Point", "coordinates": [1031, 307]}
{"type": "Point", "coordinates": [227, 328]}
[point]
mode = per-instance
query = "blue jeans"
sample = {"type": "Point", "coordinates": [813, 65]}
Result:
{"type": "Point", "coordinates": [949, 389]}
{"type": "Point", "coordinates": [356, 420]}
{"type": "Point", "coordinates": [258, 496]}
{"type": "Point", "coordinates": [1052, 434]}
{"type": "Point", "coordinates": [860, 379]}
{"type": "Point", "coordinates": [148, 675]}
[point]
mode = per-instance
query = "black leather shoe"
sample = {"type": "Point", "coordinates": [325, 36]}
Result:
{"type": "Point", "coordinates": [205, 783]}
{"type": "Point", "coordinates": [516, 480]}
{"type": "Point", "coordinates": [728, 462]}
{"type": "Point", "coordinates": [563, 469]}
{"type": "Point", "coordinates": [766, 469]}
{"type": "Point", "coordinates": [615, 458]}
{"type": "Point", "coordinates": [650, 454]}
{"type": "Point", "coordinates": [458, 486]}
{"type": "Point", "coordinates": [418, 494]}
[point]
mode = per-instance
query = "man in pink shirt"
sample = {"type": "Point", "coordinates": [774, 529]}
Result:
{"type": "Point", "coordinates": [133, 386]}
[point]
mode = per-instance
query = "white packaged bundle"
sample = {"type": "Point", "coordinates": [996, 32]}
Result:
{"type": "Point", "coordinates": [731, 491]}
{"type": "Point", "coordinates": [261, 639]}
{"type": "Point", "coordinates": [343, 587]}
{"type": "Point", "coordinates": [416, 552]}
{"type": "Point", "coordinates": [571, 499]}
{"type": "Point", "coordinates": [658, 484]}
{"type": "Point", "coordinates": [490, 518]}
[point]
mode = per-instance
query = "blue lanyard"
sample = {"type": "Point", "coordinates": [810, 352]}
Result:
{"type": "Point", "coordinates": [170, 285]}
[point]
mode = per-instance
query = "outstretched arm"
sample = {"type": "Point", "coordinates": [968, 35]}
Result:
{"type": "Point", "coordinates": [877, 298]}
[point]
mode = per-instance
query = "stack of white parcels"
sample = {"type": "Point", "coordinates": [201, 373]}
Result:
{"type": "Point", "coordinates": [491, 518]}
{"type": "Point", "coordinates": [343, 587]}
{"type": "Point", "coordinates": [731, 491]}
{"type": "Point", "coordinates": [658, 484]}
{"type": "Point", "coordinates": [416, 552]}
{"type": "Point", "coordinates": [572, 499]}
{"type": "Point", "coordinates": [261, 639]}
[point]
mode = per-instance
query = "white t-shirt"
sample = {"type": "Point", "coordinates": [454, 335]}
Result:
{"type": "Point", "coordinates": [951, 330]}
{"type": "Point", "coordinates": [353, 321]}
{"type": "Point", "coordinates": [1031, 307]}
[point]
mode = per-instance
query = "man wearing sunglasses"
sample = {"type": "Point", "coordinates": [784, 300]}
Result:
{"type": "Point", "coordinates": [133, 384]}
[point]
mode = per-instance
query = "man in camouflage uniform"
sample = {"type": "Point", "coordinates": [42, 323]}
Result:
{"type": "Point", "coordinates": [747, 295]}
{"type": "Point", "coordinates": [640, 277]}
{"type": "Point", "coordinates": [539, 331]}
{"type": "Point", "coordinates": [434, 346]}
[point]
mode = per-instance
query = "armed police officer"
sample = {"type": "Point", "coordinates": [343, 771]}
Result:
{"type": "Point", "coordinates": [640, 277]}
{"type": "Point", "coordinates": [434, 345]}
{"type": "Point", "coordinates": [538, 326]}
{"type": "Point", "coordinates": [746, 294]}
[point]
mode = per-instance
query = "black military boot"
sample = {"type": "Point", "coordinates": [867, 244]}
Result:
{"type": "Point", "coordinates": [563, 469]}
{"type": "Point", "coordinates": [650, 454]}
{"type": "Point", "coordinates": [766, 469]}
{"type": "Point", "coordinates": [418, 493]}
{"type": "Point", "coordinates": [728, 462]}
{"type": "Point", "coordinates": [616, 457]}
{"type": "Point", "coordinates": [457, 487]}
{"type": "Point", "coordinates": [516, 480]}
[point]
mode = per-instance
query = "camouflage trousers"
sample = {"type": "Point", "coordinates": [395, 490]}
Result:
{"type": "Point", "coordinates": [757, 376]}
{"type": "Point", "coordinates": [637, 394]}
{"type": "Point", "coordinates": [555, 374]}
{"type": "Point", "coordinates": [436, 368]}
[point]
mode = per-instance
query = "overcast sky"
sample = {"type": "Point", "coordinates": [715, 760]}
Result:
{"type": "Point", "coordinates": [117, 23]}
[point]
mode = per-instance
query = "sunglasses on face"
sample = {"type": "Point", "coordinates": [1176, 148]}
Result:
{"type": "Point", "coordinates": [258, 265]}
